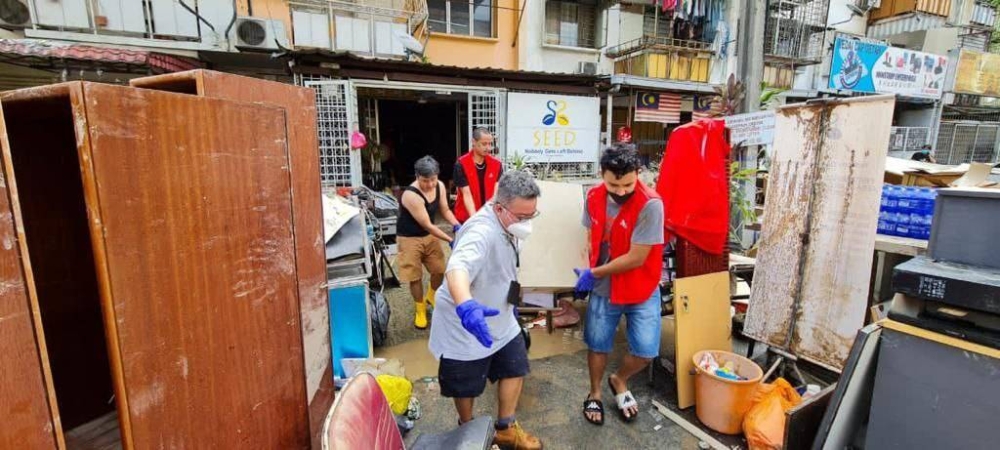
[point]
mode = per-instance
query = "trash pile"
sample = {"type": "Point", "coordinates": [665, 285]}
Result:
{"type": "Point", "coordinates": [391, 378]}
{"type": "Point", "coordinates": [727, 370]}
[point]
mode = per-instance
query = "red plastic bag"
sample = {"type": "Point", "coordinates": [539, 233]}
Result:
{"type": "Point", "coordinates": [764, 424]}
{"type": "Point", "coordinates": [358, 140]}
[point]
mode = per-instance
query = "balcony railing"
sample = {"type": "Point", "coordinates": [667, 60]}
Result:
{"type": "Point", "coordinates": [664, 58]}
{"type": "Point", "coordinates": [368, 27]}
{"type": "Point", "coordinates": [176, 24]}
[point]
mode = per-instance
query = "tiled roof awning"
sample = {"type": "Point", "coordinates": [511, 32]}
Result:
{"type": "Point", "coordinates": [58, 55]}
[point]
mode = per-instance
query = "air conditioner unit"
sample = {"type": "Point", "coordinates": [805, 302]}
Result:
{"type": "Point", "coordinates": [260, 34]}
{"type": "Point", "coordinates": [587, 68]}
{"type": "Point", "coordinates": [14, 14]}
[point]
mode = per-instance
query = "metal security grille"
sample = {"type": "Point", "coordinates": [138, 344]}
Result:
{"type": "Point", "coordinates": [967, 142]}
{"type": "Point", "coordinates": [907, 138]}
{"type": "Point", "coordinates": [484, 112]}
{"type": "Point", "coordinates": [335, 111]}
{"type": "Point", "coordinates": [795, 29]}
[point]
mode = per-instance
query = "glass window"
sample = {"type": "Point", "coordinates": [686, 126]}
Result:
{"type": "Point", "coordinates": [483, 18]}
{"type": "Point", "coordinates": [438, 15]}
{"type": "Point", "coordinates": [465, 17]}
{"type": "Point", "coordinates": [460, 17]}
{"type": "Point", "coordinates": [571, 23]}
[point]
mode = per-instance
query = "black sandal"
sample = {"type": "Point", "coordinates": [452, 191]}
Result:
{"type": "Point", "coordinates": [593, 405]}
{"type": "Point", "coordinates": [627, 397]}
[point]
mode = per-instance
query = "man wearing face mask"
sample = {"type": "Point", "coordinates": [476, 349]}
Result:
{"type": "Point", "coordinates": [474, 333]}
{"type": "Point", "coordinates": [625, 219]}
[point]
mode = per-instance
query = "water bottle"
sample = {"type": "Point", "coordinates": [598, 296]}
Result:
{"type": "Point", "coordinates": [887, 210]}
{"type": "Point", "coordinates": [903, 228]}
{"type": "Point", "coordinates": [908, 200]}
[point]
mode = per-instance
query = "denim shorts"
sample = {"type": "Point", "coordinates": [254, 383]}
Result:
{"type": "Point", "coordinates": [642, 321]}
{"type": "Point", "coordinates": [467, 379]}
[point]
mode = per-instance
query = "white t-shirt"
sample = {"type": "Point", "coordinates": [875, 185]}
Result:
{"type": "Point", "coordinates": [487, 252]}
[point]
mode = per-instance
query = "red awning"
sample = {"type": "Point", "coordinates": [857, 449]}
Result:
{"type": "Point", "coordinates": [49, 54]}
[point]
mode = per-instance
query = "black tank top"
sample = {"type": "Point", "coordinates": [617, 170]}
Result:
{"type": "Point", "coordinates": [407, 226]}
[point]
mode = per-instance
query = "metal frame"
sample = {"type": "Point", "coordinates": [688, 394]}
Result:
{"type": "Point", "coordinates": [336, 113]}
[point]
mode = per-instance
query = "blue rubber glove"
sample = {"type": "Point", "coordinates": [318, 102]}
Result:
{"type": "Point", "coordinates": [473, 316]}
{"type": "Point", "coordinates": [585, 282]}
{"type": "Point", "coordinates": [455, 228]}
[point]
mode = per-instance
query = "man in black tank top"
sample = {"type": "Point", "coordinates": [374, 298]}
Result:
{"type": "Point", "coordinates": [419, 238]}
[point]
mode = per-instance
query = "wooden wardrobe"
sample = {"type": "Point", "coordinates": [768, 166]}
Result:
{"type": "Point", "coordinates": [152, 269]}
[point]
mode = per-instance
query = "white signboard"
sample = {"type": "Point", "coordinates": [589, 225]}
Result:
{"type": "Point", "coordinates": [752, 128]}
{"type": "Point", "coordinates": [553, 128]}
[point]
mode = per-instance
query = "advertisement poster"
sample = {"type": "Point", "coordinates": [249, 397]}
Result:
{"type": "Point", "coordinates": [978, 74]}
{"type": "Point", "coordinates": [547, 128]}
{"type": "Point", "coordinates": [752, 128]}
{"type": "Point", "coordinates": [875, 68]}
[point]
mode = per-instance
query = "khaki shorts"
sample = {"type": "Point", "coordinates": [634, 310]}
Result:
{"type": "Point", "coordinates": [415, 253]}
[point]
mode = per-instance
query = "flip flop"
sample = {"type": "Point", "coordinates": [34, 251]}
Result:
{"type": "Point", "coordinates": [624, 400]}
{"type": "Point", "coordinates": [593, 405]}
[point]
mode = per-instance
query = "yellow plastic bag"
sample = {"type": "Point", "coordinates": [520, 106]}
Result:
{"type": "Point", "coordinates": [764, 424]}
{"type": "Point", "coordinates": [397, 391]}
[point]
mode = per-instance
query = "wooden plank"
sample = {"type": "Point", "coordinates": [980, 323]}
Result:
{"type": "Point", "coordinates": [310, 260]}
{"type": "Point", "coordinates": [810, 291]}
{"type": "Point", "coordinates": [191, 215]}
{"type": "Point", "coordinates": [558, 227]}
{"type": "Point", "coordinates": [942, 339]}
{"type": "Point", "coordinates": [900, 245]}
{"type": "Point", "coordinates": [25, 382]}
{"type": "Point", "coordinates": [772, 294]}
{"type": "Point", "coordinates": [701, 312]}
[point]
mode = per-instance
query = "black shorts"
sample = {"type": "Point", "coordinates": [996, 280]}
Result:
{"type": "Point", "coordinates": [467, 379]}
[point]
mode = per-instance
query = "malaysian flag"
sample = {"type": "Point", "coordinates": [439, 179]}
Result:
{"type": "Point", "coordinates": [705, 107]}
{"type": "Point", "coordinates": [658, 107]}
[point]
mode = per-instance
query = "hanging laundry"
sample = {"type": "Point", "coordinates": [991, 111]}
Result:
{"type": "Point", "coordinates": [694, 184]}
{"type": "Point", "coordinates": [668, 5]}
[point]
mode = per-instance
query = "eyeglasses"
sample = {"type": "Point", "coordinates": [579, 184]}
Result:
{"type": "Point", "coordinates": [522, 218]}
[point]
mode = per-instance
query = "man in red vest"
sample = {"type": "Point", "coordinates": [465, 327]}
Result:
{"type": "Point", "coordinates": [625, 219]}
{"type": "Point", "coordinates": [476, 175]}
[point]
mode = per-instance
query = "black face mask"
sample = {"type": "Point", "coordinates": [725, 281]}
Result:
{"type": "Point", "coordinates": [621, 199]}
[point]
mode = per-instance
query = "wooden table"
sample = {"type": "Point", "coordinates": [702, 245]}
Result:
{"type": "Point", "coordinates": [889, 252]}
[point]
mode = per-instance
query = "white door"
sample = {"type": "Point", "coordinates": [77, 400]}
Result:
{"type": "Point", "coordinates": [487, 109]}
{"type": "Point", "coordinates": [336, 113]}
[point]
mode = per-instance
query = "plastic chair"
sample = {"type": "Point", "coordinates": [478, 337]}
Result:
{"type": "Point", "coordinates": [361, 419]}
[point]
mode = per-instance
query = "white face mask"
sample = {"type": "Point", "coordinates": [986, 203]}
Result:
{"type": "Point", "coordinates": [520, 230]}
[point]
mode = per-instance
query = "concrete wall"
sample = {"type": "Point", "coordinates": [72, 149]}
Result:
{"type": "Point", "coordinates": [498, 52]}
{"type": "Point", "coordinates": [535, 55]}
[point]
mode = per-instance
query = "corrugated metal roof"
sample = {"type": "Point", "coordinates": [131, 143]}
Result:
{"type": "Point", "coordinates": [905, 23]}
{"type": "Point", "coordinates": [388, 65]}
{"type": "Point", "coordinates": [38, 53]}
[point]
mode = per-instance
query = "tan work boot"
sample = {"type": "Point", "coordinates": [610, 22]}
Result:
{"type": "Point", "coordinates": [420, 316]}
{"type": "Point", "coordinates": [515, 438]}
{"type": "Point", "coordinates": [429, 297]}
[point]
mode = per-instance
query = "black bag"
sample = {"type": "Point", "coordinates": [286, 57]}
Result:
{"type": "Point", "coordinates": [380, 314]}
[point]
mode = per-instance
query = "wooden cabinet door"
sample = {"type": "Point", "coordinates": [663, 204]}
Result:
{"type": "Point", "coordinates": [28, 419]}
{"type": "Point", "coordinates": [191, 219]}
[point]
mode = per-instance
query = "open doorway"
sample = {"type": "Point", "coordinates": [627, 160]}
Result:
{"type": "Point", "coordinates": [405, 125]}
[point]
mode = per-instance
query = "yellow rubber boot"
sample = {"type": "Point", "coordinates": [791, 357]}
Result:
{"type": "Point", "coordinates": [429, 297]}
{"type": "Point", "coordinates": [420, 318]}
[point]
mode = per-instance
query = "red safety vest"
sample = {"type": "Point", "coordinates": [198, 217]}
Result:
{"type": "Point", "coordinates": [636, 285]}
{"type": "Point", "coordinates": [469, 166]}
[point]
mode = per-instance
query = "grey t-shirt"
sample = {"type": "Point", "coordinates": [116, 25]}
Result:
{"type": "Point", "coordinates": [484, 250]}
{"type": "Point", "coordinates": [648, 231]}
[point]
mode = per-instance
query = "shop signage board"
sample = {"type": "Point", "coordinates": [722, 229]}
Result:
{"type": "Point", "coordinates": [546, 128]}
{"type": "Point", "coordinates": [860, 66]}
{"type": "Point", "coordinates": [751, 129]}
{"type": "Point", "coordinates": [978, 73]}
